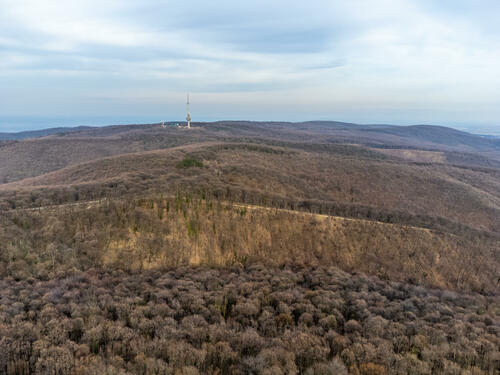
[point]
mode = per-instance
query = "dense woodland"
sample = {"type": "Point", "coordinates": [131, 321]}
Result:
{"type": "Point", "coordinates": [348, 177]}
{"type": "Point", "coordinates": [255, 320]}
{"type": "Point", "coordinates": [160, 233]}
{"type": "Point", "coordinates": [250, 248]}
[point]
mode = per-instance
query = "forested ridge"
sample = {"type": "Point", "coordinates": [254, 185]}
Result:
{"type": "Point", "coordinates": [160, 233]}
{"type": "Point", "coordinates": [250, 248]}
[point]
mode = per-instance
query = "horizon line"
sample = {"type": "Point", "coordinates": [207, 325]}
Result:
{"type": "Point", "coordinates": [457, 128]}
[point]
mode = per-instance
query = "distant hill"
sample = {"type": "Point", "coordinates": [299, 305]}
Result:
{"type": "Point", "coordinates": [30, 154]}
{"type": "Point", "coordinates": [440, 135]}
{"type": "Point", "coordinates": [41, 133]}
{"type": "Point", "coordinates": [418, 135]}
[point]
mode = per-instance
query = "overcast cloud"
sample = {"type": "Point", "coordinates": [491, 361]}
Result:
{"type": "Point", "coordinates": [369, 61]}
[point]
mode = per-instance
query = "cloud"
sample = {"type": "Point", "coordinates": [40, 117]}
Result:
{"type": "Point", "coordinates": [298, 59]}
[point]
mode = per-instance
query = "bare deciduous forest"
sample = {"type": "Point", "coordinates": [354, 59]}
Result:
{"type": "Point", "coordinates": [242, 321]}
{"type": "Point", "coordinates": [250, 248]}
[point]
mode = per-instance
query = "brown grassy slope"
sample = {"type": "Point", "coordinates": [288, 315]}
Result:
{"type": "Point", "coordinates": [163, 233]}
{"type": "Point", "coordinates": [463, 195]}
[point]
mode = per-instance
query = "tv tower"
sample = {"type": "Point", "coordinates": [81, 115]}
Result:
{"type": "Point", "coordinates": [188, 117]}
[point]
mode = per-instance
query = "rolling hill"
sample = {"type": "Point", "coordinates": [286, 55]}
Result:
{"type": "Point", "coordinates": [250, 248]}
{"type": "Point", "coordinates": [424, 177]}
{"type": "Point", "coordinates": [32, 157]}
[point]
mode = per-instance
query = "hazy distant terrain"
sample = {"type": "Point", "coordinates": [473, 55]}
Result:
{"type": "Point", "coordinates": [312, 248]}
{"type": "Point", "coordinates": [67, 146]}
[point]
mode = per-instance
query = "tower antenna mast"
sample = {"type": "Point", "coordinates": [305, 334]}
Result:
{"type": "Point", "coordinates": [188, 116]}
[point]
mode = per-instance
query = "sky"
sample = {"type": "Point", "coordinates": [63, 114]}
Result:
{"type": "Point", "coordinates": [364, 61]}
